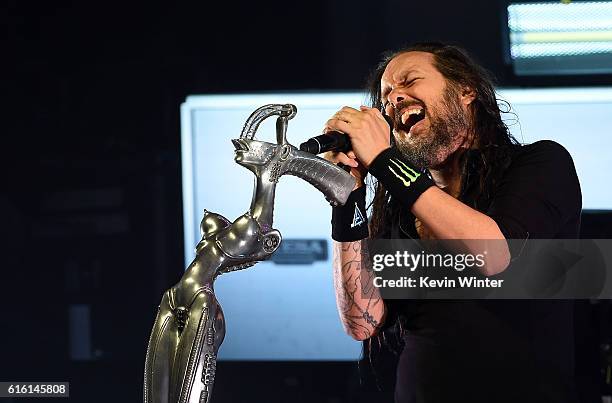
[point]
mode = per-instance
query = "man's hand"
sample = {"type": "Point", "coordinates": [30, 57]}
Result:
{"type": "Point", "coordinates": [358, 171]}
{"type": "Point", "coordinates": [367, 129]}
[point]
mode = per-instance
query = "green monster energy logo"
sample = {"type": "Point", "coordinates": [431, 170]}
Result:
{"type": "Point", "coordinates": [407, 175]}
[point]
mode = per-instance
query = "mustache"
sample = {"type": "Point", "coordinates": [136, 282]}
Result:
{"type": "Point", "coordinates": [404, 104]}
{"type": "Point", "coordinates": [397, 118]}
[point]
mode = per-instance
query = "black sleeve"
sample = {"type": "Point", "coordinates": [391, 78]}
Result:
{"type": "Point", "coordinates": [538, 194]}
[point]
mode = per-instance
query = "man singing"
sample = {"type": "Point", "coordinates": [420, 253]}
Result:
{"type": "Point", "coordinates": [452, 171]}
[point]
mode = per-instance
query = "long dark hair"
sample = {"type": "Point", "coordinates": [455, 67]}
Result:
{"type": "Point", "coordinates": [494, 143]}
{"type": "Point", "coordinates": [491, 133]}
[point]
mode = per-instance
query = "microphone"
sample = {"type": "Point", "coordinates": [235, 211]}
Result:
{"type": "Point", "coordinates": [333, 141]}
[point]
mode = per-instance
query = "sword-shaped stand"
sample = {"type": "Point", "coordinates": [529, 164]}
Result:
{"type": "Point", "coordinates": [190, 327]}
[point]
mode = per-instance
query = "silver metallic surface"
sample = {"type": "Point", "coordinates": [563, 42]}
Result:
{"type": "Point", "coordinates": [180, 364]}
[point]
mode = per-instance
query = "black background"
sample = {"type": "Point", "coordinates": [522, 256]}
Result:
{"type": "Point", "coordinates": [90, 207]}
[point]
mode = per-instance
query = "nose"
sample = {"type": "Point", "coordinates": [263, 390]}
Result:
{"type": "Point", "coordinates": [396, 96]}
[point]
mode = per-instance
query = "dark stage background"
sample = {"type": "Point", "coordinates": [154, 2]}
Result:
{"type": "Point", "coordinates": [90, 207]}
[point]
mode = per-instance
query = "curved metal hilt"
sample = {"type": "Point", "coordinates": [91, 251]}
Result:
{"type": "Point", "coordinates": [285, 112]}
{"type": "Point", "coordinates": [269, 161]}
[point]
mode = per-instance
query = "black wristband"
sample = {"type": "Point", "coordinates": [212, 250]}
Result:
{"type": "Point", "coordinates": [403, 180]}
{"type": "Point", "coordinates": [350, 222]}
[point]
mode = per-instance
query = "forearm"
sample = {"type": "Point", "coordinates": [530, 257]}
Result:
{"type": "Point", "coordinates": [361, 308]}
{"type": "Point", "coordinates": [444, 216]}
{"type": "Point", "coordinates": [448, 218]}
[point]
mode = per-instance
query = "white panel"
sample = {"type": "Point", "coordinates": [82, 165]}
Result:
{"type": "Point", "coordinates": [581, 120]}
{"type": "Point", "coordinates": [287, 311]}
{"type": "Point", "coordinates": [273, 311]}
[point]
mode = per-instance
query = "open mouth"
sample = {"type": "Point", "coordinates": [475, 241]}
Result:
{"type": "Point", "coordinates": [240, 145]}
{"type": "Point", "coordinates": [409, 117]}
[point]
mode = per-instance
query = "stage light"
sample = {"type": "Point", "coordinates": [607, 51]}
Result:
{"type": "Point", "coordinates": [552, 38]}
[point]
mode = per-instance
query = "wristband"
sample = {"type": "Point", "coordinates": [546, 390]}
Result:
{"type": "Point", "coordinates": [350, 222]}
{"type": "Point", "coordinates": [402, 179]}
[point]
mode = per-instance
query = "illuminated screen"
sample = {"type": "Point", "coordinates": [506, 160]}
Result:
{"type": "Point", "coordinates": [285, 309]}
{"type": "Point", "coordinates": [561, 37]}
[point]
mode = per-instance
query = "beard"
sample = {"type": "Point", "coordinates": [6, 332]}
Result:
{"type": "Point", "coordinates": [448, 127]}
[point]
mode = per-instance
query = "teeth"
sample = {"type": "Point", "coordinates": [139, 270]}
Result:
{"type": "Point", "coordinates": [414, 111]}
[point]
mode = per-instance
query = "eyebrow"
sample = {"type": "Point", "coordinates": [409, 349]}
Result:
{"type": "Point", "coordinates": [410, 70]}
{"type": "Point", "coordinates": [404, 74]}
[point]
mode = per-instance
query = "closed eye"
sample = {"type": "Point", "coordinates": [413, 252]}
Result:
{"type": "Point", "coordinates": [404, 83]}
{"type": "Point", "coordinates": [408, 83]}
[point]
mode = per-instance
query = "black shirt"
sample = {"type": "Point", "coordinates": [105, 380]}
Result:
{"type": "Point", "coordinates": [497, 350]}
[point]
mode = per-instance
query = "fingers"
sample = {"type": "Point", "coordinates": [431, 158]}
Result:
{"type": "Point", "coordinates": [372, 111]}
{"type": "Point", "coordinates": [341, 158]}
{"type": "Point", "coordinates": [347, 114]}
{"type": "Point", "coordinates": [348, 111]}
{"type": "Point", "coordinates": [368, 131]}
{"type": "Point", "coordinates": [356, 118]}
{"type": "Point", "coordinates": [338, 125]}
{"type": "Point", "coordinates": [344, 159]}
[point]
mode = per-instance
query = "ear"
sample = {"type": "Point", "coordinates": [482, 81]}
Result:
{"type": "Point", "coordinates": [467, 95]}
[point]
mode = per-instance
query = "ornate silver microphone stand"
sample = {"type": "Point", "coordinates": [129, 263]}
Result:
{"type": "Point", "coordinates": [190, 327]}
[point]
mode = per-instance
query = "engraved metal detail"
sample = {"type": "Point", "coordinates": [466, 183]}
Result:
{"type": "Point", "coordinates": [181, 314]}
{"type": "Point", "coordinates": [196, 349]}
{"type": "Point", "coordinates": [252, 124]}
{"type": "Point", "coordinates": [210, 335]}
{"type": "Point", "coordinates": [275, 172]}
{"type": "Point", "coordinates": [271, 243]}
{"type": "Point", "coordinates": [210, 367]}
{"type": "Point", "coordinates": [208, 289]}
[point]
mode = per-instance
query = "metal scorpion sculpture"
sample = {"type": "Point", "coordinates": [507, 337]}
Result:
{"type": "Point", "coordinates": [190, 326]}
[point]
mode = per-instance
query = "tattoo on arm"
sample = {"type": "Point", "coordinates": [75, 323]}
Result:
{"type": "Point", "coordinates": [355, 291]}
